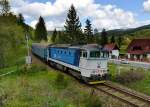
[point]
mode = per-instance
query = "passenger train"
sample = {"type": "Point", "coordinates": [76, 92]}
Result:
{"type": "Point", "coordinates": [85, 62]}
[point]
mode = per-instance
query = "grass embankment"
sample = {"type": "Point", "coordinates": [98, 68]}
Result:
{"type": "Point", "coordinates": [38, 87]}
{"type": "Point", "coordinates": [134, 78]}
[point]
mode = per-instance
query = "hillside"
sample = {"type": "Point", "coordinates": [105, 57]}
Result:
{"type": "Point", "coordinates": [140, 32]}
{"type": "Point", "coordinates": [12, 41]}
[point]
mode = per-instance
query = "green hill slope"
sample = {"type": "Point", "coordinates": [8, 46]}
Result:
{"type": "Point", "coordinates": [12, 41]}
{"type": "Point", "coordinates": [139, 32]}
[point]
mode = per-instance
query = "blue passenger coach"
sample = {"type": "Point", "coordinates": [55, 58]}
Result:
{"type": "Point", "coordinates": [39, 50]}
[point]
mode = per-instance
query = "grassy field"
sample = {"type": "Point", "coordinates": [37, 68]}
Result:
{"type": "Point", "coordinates": [38, 87]}
{"type": "Point", "coordinates": [141, 85]}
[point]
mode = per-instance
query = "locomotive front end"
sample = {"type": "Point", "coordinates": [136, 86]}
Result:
{"type": "Point", "coordinates": [93, 65]}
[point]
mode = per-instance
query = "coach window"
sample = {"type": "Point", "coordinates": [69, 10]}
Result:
{"type": "Point", "coordinates": [65, 52]}
{"type": "Point", "coordinates": [69, 53]}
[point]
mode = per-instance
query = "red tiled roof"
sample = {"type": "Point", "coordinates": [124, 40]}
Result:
{"type": "Point", "coordinates": [110, 47]}
{"type": "Point", "coordinates": [136, 52]}
{"type": "Point", "coordinates": [143, 44]}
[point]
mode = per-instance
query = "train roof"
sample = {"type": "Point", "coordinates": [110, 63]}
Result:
{"type": "Point", "coordinates": [60, 45]}
{"type": "Point", "coordinates": [70, 46]}
{"type": "Point", "coordinates": [40, 44]}
{"type": "Point", "coordinates": [81, 47]}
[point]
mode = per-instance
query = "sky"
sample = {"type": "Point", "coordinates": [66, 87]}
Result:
{"type": "Point", "coordinates": [108, 14]}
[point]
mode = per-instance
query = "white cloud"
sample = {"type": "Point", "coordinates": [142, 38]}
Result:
{"type": "Point", "coordinates": [146, 5]}
{"type": "Point", "coordinates": [33, 23]}
{"type": "Point", "coordinates": [102, 16]}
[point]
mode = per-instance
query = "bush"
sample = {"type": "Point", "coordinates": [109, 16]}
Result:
{"type": "Point", "coordinates": [128, 77]}
{"type": "Point", "coordinates": [93, 101]}
{"type": "Point", "coordinates": [54, 102]}
{"type": "Point", "coordinates": [60, 81]}
{"type": "Point", "coordinates": [30, 69]}
{"type": "Point", "coordinates": [36, 68]}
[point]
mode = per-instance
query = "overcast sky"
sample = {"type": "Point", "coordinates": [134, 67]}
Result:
{"type": "Point", "coordinates": [109, 14]}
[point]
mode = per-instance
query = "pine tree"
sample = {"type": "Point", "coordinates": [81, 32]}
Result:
{"type": "Point", "coordinates": [88, 31]}
{"type": "Point", "coordinates": [73, 27]}
{"type": "Point", "coordinates": [95, 31]}
{"type": "Point", "coordinates": [4, 7]}
{"type": "Point", "coordinates": [104, 38]}
{"type": "Point", "coordinates": [20, 19]}
{"type": "Point", "coordinates": [40, 31]}
{"type": "Point", "coordinates": [119, 41]}
{"type": "Point", "coordinates": [60, 38]}
{"type": "Point", "coordinates": [54, 35]}
{"type": "Point", "coordinates": [112, 39]}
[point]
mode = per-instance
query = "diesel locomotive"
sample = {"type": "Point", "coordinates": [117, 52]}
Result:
{"type": "Point", "coordinates": [85, 62]}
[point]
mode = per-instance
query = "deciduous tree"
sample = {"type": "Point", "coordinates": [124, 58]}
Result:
{"type": "Point", "coordinates": [4, 7]}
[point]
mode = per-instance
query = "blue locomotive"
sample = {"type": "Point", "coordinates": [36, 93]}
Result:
{"type": "Point", "coordinates": [85, 62]}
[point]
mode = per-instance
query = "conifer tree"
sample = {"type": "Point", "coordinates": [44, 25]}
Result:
{"type": "Point", "coordinates": [73, 27]}
{"type": "Point", "coordinates": [119, 41]}
{"type": "Point", "coordinates": [88, 31]}
{"type": "Point", "coordinates": [40, 31]}
{"type": "Point", "coordinates": [54, 35]}
{"type": "Point", "coordinates": [104, 38]}
{"type": "Point", "coordinates": [20, 19]}
{"type": "Point", "coordinates": [112, 39]}
{"type": "Point", "coordinates": [95, 31]}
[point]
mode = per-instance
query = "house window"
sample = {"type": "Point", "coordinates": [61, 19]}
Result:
{"type": "Point", "coordinates": [137, 48]}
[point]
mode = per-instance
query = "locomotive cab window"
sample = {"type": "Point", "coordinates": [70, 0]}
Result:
{"type": "Point", "coordinates": [84, 54]}
{"type": "Point", "coordinates": [105, 54]}
{"type": "Point", "coordinates": [95, 54]}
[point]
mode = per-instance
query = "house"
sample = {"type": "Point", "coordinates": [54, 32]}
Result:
{"type": "Point", "coordinates": [113, 50]}
{"type": "Point", "coordinates": [139, 49]}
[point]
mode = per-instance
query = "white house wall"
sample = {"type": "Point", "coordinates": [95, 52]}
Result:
{"type": "Point", "coordinates": [115, 53]}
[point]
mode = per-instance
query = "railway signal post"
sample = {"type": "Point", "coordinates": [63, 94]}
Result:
{"type": "Point", "coordinates": [28, 57]}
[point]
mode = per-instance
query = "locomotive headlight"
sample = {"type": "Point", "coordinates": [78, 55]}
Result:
{"type": "Point", "coordinates": [98, 65]}
{"type": "Point", "coordinates": [93, 72]}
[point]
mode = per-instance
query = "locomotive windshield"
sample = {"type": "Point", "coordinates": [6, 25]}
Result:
{"type": "Point", "coordinates": [95, 54]}
{"type": "Point", "coordinates": [98, 54]}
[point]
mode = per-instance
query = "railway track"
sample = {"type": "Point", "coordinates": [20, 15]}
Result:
{"type": "Point", "coordinates": [124, 95]}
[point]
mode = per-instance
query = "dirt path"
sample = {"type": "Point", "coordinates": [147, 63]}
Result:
{"type": "Point", "coordinates": [37, 61]}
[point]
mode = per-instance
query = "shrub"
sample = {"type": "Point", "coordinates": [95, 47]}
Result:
{"type": "Point", "coordinates": [36, 68]}
{"type": "Point", "coordinates": [54, 102]}
{"type": "Point", "coordinates": [93, 101]}
{"type": "Point", "coordinates": [132, 76]}
{"type": "Point", "coordinates": [30, 69]}
{"type": "Point", "coordinates": [60, 81]}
